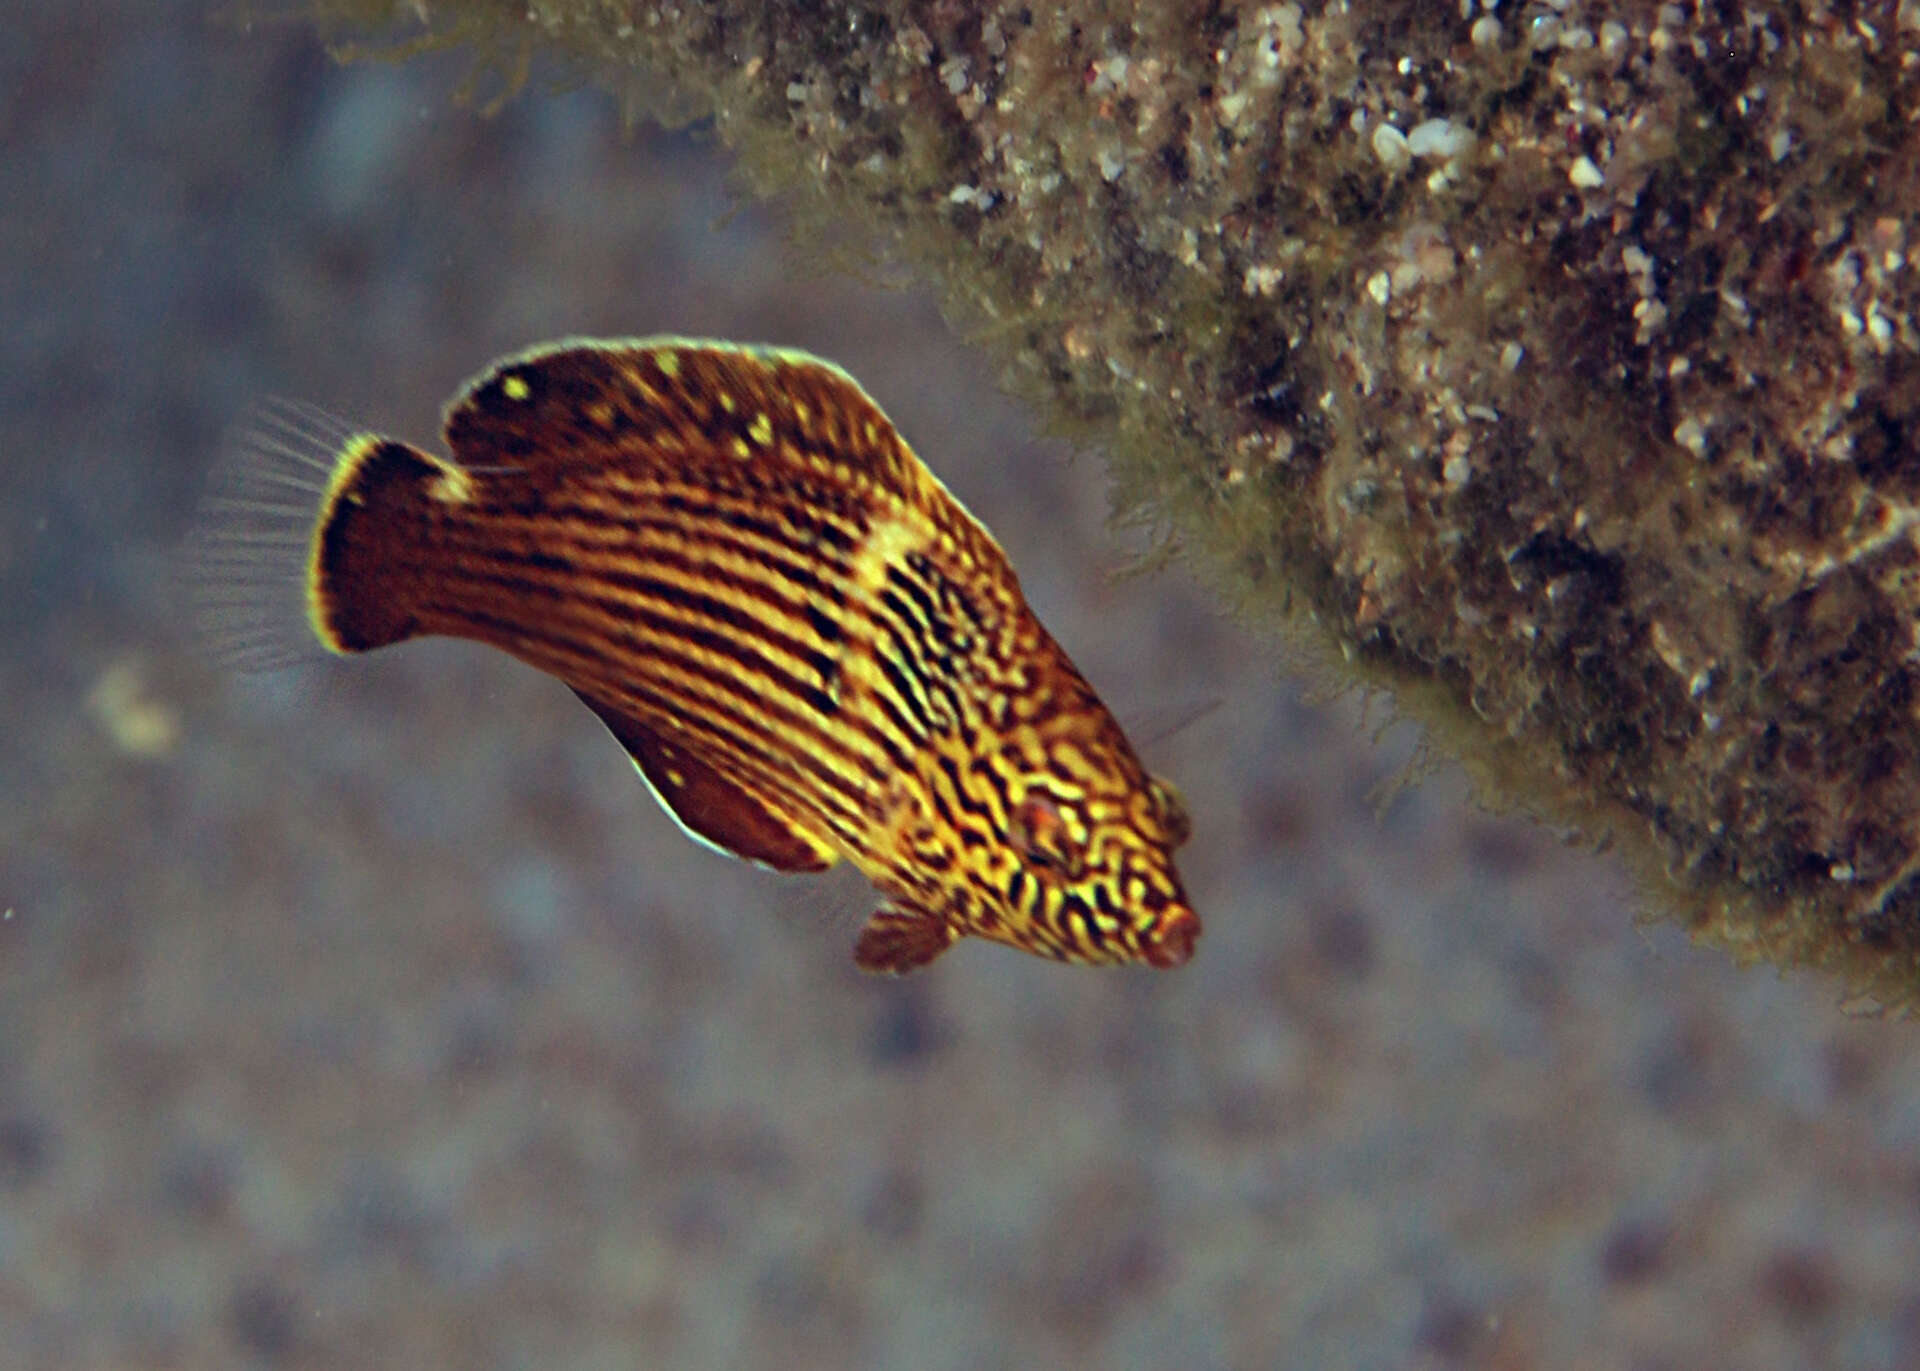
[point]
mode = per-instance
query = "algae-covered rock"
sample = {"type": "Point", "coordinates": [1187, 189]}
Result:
{"type": "Point", "coordinates": [1558, 360]}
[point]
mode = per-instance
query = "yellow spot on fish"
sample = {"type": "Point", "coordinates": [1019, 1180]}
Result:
{"type": "Point", "coordinates": [452, 487]}
{"type": "Point", "coordinates": [741, 448]}
{"type": "Point", "coordinates": [802, 415]}
{"type": "Point", "coordinates": [515, 388]}
{"type": "Point", "coordinates": [761, 429]}
{"type": "Point", "coordinates": [727, 402]}
{"type": "Point", "coordinates": [668, 361]}
{"type": "Point", "coordinates": [887, 543]}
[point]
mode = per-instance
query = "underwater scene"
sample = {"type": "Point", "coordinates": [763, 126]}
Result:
{"type": "Point", "coordinates": [1109, 981]}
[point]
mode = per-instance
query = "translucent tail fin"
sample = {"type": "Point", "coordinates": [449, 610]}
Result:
{"type": "Point", "coordinates": [247, 563]}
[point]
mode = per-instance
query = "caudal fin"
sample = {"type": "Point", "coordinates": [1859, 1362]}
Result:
{"type": "Point", "coordinates": [283, 564]}
{"type": "Point", "coordinates": [373, 543]}
{"type": "Point", "coordinates": [245, 563]}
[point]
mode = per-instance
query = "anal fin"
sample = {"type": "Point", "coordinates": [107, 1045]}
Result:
{"type": "Point", "coordinates": [711, 808]}
{"type": "Point", "coordinates": [897, 940]}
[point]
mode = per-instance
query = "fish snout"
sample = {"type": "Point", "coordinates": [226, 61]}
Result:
{"type": "Point", "coordinates": [1170, 944]}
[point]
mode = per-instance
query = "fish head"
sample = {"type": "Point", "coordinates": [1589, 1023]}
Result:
{"type": "Point", "coordinates": [1098, 882]}
{"type": "Point", "coordinates": [1084, 871]}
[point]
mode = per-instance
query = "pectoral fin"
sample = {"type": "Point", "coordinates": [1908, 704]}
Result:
{"type": "Point", "coordinates": [897, 940]}
{"type": "Point", "coordinates": [710, 807]}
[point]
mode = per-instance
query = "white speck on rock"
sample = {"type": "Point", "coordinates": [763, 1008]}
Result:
{"type": "Point", "coordinates": [1390, 146]}
{"type": "Point", "coordinates": [1439, 138]}
{"type": "Point", "coordinates": [1260, 280]}
{"type": "Point", "coordinates": [982, 200]}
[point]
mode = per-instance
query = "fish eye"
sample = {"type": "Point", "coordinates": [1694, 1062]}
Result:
{"type": "Point", "coordinates": [1043, 837]}
{"type": "Point", "coordinates": [1171, 809]}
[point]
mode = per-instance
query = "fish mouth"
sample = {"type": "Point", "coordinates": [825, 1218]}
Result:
{"type": "Point", "coordinates": [1171, 944]}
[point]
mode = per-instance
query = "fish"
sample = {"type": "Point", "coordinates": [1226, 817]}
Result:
{"type": "Point", "coordinates": [809, 648]}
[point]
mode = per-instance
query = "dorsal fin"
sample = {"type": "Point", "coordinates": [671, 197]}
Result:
{"type": "Point", "coordinates": [576, 399]}
{"type": "Point", "coordinates": [709, 806]}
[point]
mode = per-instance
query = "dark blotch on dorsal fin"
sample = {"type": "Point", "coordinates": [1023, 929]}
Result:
{"type": "Point", "coordinates": [707, 804]}
{"type": "Point", "coordinates": [579, 399]}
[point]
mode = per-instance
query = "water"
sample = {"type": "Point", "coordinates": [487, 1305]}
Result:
{"type": "Point", "coordinates": [373, 1015]}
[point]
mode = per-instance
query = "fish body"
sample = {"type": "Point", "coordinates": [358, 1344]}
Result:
{"type": "Point", "coordinates": [808, 646]}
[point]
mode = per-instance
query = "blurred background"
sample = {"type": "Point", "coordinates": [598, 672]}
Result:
{"type": "Point", "coordinates": [371, 1014]}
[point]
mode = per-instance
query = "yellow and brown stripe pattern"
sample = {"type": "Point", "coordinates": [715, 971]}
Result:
{"type": "Point", "coordinates": [809, 647]}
